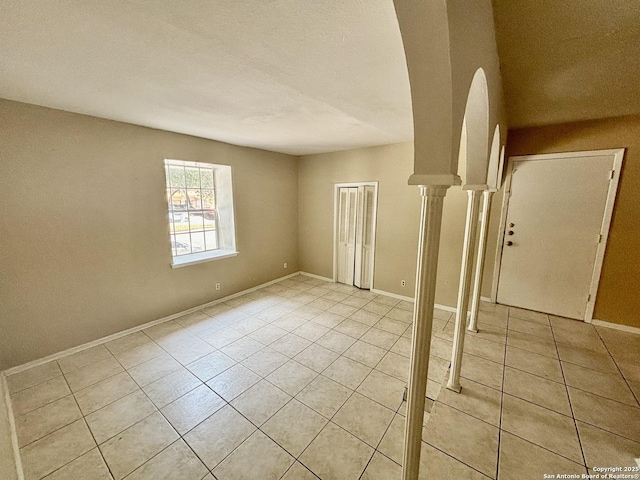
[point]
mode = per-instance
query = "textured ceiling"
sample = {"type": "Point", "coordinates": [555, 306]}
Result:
{"type": "Point", "coordinates": [568, 60]}
{"type": "Point", "coordinates": [293, 76]}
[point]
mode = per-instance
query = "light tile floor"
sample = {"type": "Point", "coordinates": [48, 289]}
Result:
{"type": "Point", "coordinates": [304, 379]}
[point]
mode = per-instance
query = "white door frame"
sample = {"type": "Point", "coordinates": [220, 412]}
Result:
{"type": "Point", "coordinates": [618, 154]}
{"type": "Point", "coordinates": [336, 214]}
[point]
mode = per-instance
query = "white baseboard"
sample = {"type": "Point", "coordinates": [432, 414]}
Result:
{"type": "Point", "coordinates": [8, 411]}
{"type": "Point", "coordinates": [616, 326]}
{"type": "Point", "coordinates": [313, 275]}
{"type": "Point", "coordinates": [392, 295]}
{"type": "Point", "coordinates": [108, 338]}
{"type": "Point", "coordinates": [446, 308]}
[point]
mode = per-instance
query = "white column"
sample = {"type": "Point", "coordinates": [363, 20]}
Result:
{"type": "Point", "coordinates": [482, 245]}
{"type": "Point", "coordinates": [430, 224]}
{"type": "Point", "coordinates": [471, 227]}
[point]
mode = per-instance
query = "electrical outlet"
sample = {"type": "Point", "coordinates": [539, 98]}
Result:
{"type": "Point", "coordinates": [403, 283]}
{"type": "Point", "coordinates": [286, 265]}
{"type": "Point", "coordinates": [217, 286]}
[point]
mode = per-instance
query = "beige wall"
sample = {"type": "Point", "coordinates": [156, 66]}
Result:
{"type": "Point", "coordinates": [618, 300]}
{"type": "Point", "coordinates": [397, 221]}
{"type": "Point", "coordinates": [85, 249]}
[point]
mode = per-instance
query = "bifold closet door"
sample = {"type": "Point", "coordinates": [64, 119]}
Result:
{"type": "Point", "coordinates": [364, 237]}
{"type": "Point", "coordinates": [347, 234]}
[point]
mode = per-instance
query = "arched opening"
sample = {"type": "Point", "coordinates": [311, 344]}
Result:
{"type": "Point", "coordinates": [474, 135]}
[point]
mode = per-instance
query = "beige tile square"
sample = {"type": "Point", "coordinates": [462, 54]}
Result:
{"type": "Point", "coordinates": [383, 388]}
{"type": "Point", "coordinates": [482, 371]}
{"type": "Point", "coordinates": [532, 328]}
{"type": "Point", "coordinates": [154, 369]}
{"type": "Point", "coordinates": [478, 447]}
{"type": "Point", "coordinates": [223, 337]}
{"type": "Point", "coordinates": [476, 400]}
{"type": "Point", "coordinates": [307, 312]}
{"type": "Point", "coordinates": [441, 348]}
{"type": "Point", "coordinates": [324, 395]}
{"type": "Point", "coordinates": [188, 351]}
{"type": "Point", "coordinates": [589, 340]}
{"type": "Point", "coordinates": [290, 345]}
{"type": "Point", "coordinates": [607, 385]}
{"type": "Point", "coordinates": [105, 392]}
{"type": "Point", "coordinates": [92, 374]}
{"type": "Point", "coordinates": [192, 408]}
{"type": "Point", "coordinates": [395, 365]}
{"type": "Point", "coordinates": [316, 357]}
{"type": "Point", "coordinates": [364, 418]}
{"type": "Point", "coordinates": [545, 367]}
{"type": "Point", "coordinates": [39, 395]}
{"type": "Point", "coordinates": [163, 330]}
{"type": "Point", "coordinates": [268, 334]}
{"type": "Point", "coordinates": [522, 459]}
{"type": "Point", "coordinates": [311, 331]}
{"type": "Point", "coordinates": [119, 415]}
{"type": "Point", "coordinates": [322, 303]}
{"type": "Point", "coordinates": [390, 325]}
{"type": "Point", "coordinates": [137, 444]}
{"type": "Point", "coordinates": [530, 315]}
{"type": "Point", "coordinates": [541, 426]}
{"type": "Point", "coordinates": [365, 353]}
{"type": "Point", "coordinates": [175, 461]}
{"type": "Point", "coordinates": [232, 382]}
{"type": "Point", "coordinates": [212, 447]}
{"type": "Point", "coordinates": [440, 314]}
{"type": "Point", "coordinates": [381, 468]}
{"type": "Point", "coordinates": [531, 343]}
{"type": "Point", "coordinates": [435, 465]}
{"type": "Point", "coordinates": [380, 338]}
{"type": "Point", "coordinates": [171, 387]}
{"type": "Point", "coordinates": [438, 368]}
{"type": "Point", "coordinates": [492, 318]}
{"type": "Point", "coordinates": [336, 341]}
{"type": "Point", "coordinates": [83, 358]}
{"type": "Point", "coordinates": [402, 347]}
{"type": "Point", "coordinates": [602, 448]}
{"type": "Point", "coordinates": [347, 372]}
{"type": "Point", "coordinates": [211, 365]}
{"type": "Point", "coordinates": [335, 454]}
{"type": "Point", "coordinates": [400, 314]}
{"type": "Point", "coordinates": [343, 309]}
{"type": "Point", "coordinates": [537, 390]}
{"type": "Point", "coordinates": [615, 417]}
{"type": "Point", "coordinates": [352, 328]}
{"type": "Point", "coordinates": [291, 377]}
{"type": "Point", "coordinates": [587, 358]}
{"type": "Point", "coordinates": [487, 349]}
{"type": "Point", "coordinates": [258, 457]}
{"type": "Point", "coordinates": [289, 322]}
{"type": "Point", "coordinates": [382, 309]}
{"type": "Point", "coordinates": [138, 355]}
{"type": "Point", "coordinates": [329, 319]}
{"type": "Point", "coordinates": [33, 376]}
{"type": "Point", "coordinates": [294, 426]}
{"type": "Point", "coordinates": [265, 361]}
{"type": "Point", "coordinates": [354, 301]}
{"type": "Point", "coordinates": [47, 419]}
{"type": "Point", "coordinates": [55, 450]}
{"type": "Point", "coordinates": [127, 342]}
{"type": "Point", "coordinates": [249, 325]}
{"type": "Point", "coordinates": [89, 466]}
{"type": "Point", "coordinates": [299, 472]}
{"type": "Point", "coordinates": [260, 402]}
{"type": "Point", "coordinates": [392, 444]}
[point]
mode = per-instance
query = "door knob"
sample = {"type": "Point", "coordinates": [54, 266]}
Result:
{"type": "Point", "coordinates": [510, 232]}
{"type": "Point", "coordinates": [509, 243]}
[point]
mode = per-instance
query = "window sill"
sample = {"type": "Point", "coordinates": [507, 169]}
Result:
{"type": "Point", "coordinates": [194, 258]}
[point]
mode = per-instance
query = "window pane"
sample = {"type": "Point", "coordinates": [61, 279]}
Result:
{"type": "Point", "coordinates": [197, 222]}
{"type": "Point", "coordinates": [177, 200]}
{"type": "Point", "coordinates": [194, 200]}
{"type": "Point", "coordinates": [176, 176]}
{"type": "Point", "coordinates": [208, 199]}
{"type": "Point", "coordinates": [192, 177]}
{"type": "Point", "coordinates": [211, 239]}
{"type": "Point", "coordinates": [197, 242]}
{"type": "Point", "coordinates": [209, 219]}
{"type": "Point", "coordinates": [206, 178]}
{"type": "Point", "coordinates": [183, 244]}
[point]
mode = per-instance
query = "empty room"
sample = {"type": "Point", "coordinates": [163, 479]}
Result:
{"type": "Point", "coordinates": [337, 240]}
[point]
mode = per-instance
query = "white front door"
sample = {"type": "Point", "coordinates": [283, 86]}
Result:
{"type": "Point", "coordinates": [553, 230]}
{"type": "Point", "coordinates": [347, 234]}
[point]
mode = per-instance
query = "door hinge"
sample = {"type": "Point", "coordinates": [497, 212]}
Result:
{"type": "Point", "coordinates": [599, 238]}
{"type": "Point", "coordinates": [588, 298]}
{"type": "Point", "coordinates": [611, 172]}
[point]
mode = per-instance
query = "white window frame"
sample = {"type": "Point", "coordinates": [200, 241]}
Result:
{"type": "Point", "coordinates": [225, 218]}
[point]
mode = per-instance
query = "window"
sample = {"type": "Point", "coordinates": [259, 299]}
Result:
{"type": "Point", "coordinates": [200, 207]}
